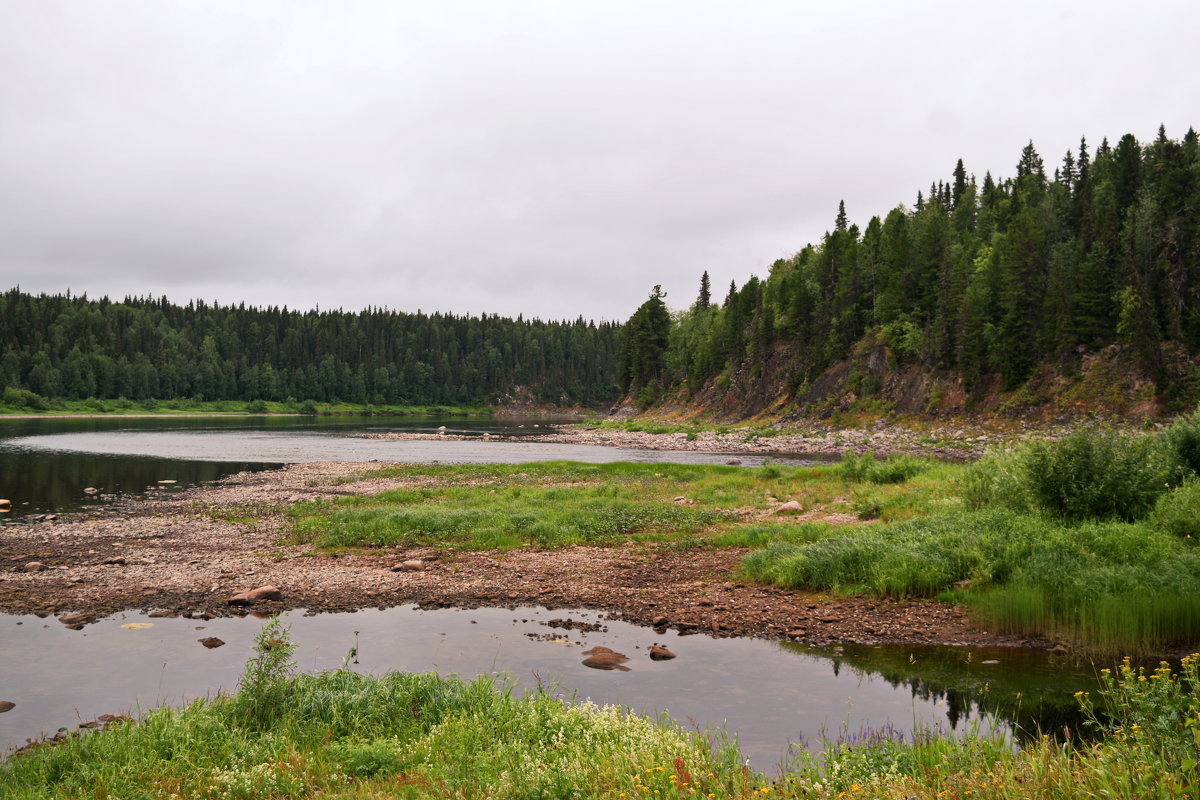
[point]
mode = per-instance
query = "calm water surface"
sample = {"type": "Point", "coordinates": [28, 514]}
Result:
{"type": "Point", "coordinates": [768, 693]}
{"type": "Point", "coordinates": [45, 464]}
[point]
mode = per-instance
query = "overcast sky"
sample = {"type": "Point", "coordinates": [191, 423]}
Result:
{"type": "Point", "coordinates": [554, 158]}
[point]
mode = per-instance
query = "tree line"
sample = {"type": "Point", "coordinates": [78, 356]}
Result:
{"type": "Point", "coordinates": [986, 279]}
{"type": "Point", "coordinates": [59, 346]}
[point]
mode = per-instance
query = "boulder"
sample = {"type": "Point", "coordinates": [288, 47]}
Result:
{"type": "Point", "coordinates": [35, 566]}
{"type": "Point", "coordinates": [790, 507]}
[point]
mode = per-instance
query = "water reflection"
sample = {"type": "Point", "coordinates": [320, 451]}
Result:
{"type": "Point", "coordinates": [766, 694]}
{"type": "Point", "coordinates": [1031, 690]}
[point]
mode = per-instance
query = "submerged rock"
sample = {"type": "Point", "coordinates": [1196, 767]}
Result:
{"type": "Point", "coordinates": [605, 658]}
{"type": "Point", "coordinates": [660, 653]}
{"type": "Point", "coordinates": [6, 705]}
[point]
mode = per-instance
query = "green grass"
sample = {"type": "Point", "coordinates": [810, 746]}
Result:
{"type": "Point", "coordinates": [343, 735]}
{"type": "Point", "coordinates": [557, 504]}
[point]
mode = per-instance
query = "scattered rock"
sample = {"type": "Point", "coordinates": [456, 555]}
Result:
{"type": "Point", "coordinates": [116, 560]}
{"type": "Point", "coordinates": [734, 462]}
{"type": "Point", "coordinates": [796, 633]}
{"type": "Point", "coordinates": [660, 622]}
{"type": "Point", "coordinates": [158, 613]}
{"type": "Point", "coordinates": [211, 642]}
{"type": "Point", "coordinates": [6, 705]}
{"type": "Point", "coordinates": [790, 507]}
{"type": "Point", "coordinates": [660, 653]}
{"type": "Point", "coordinates": [91, 490]}
{"type": "Point", "coordinates": [74, 619]}
{"type": "Point", "coordinates": [35, 566]}
{"type": "Point", "coordinates": [605, 658]}
{"type": "Point", "coordinates": [411, 565]}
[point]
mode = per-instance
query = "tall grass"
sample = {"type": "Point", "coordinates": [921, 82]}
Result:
{"type": "Point", "coordinates": [1116, 587]}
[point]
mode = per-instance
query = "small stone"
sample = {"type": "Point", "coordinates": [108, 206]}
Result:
{"type": "Point", "coordinates": [411, 565]}
{"type": "Point", "coordinates": [659, 622]}
{"type": "Point", "coordinates": [211, 642]}
{"type": "Point", "coordinates": [116, 560]}
{"type": "Point", "coordinates": [796, 633]}
{"type": "Point", "coordinates": [35, 566]}
{"type": "Point", "coordinates": [734, 462]}
{"type": "Point", "coordinates": [74, 619]}
{"type": "Point", "coordinates": [158, 613]}
{"type": "Point", "coordinates": [790, 507]}
{"type": "Point", "coordinates": [91, 490]}
{"type": "Point", "coordinates": [660, 653]}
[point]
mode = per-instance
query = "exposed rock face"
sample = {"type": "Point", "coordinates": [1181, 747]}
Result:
{"type": "Point", "coordinates": [605, 658]}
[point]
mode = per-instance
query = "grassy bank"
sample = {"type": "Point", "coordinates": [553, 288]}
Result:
{"type": "Point", "coordinates": [343, 735]}
{"type": "Point", "coordinates": [1091, 540]}
{"type": "Point", "coordinates": [21, 402]}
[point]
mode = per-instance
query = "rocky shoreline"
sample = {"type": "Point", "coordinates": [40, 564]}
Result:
{"type": "Point", "coordinates": [882, 439]}
{"type": "Point", "coordinates": [197, 553]}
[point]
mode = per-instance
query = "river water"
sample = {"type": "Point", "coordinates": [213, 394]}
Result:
{"type": "Point", "coordinates": [770, 695]}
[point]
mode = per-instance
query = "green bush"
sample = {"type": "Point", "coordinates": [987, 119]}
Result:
{"type": "Point", "coordinates": [1178, 512]}
{"type": "Point", "coordinates": [1182, 440]}
{"type": "Point", "coordinates": [23, 398]}
{"type": "Point", "coordinates": [1098, 474]}
{"type": "Point", "coordinates": [895, 469]}
{"type": "Point", "coordinates": [259, 407]}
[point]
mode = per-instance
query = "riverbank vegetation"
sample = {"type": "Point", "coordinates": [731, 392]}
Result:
{"type": "Point", "coordinates": [980, 288]}
{"type": "Point", "coordinates": [344, 735]}
{"type": "Point", "coordinates": [22, 402]}
{"type": "Point", "coordinates": [1091, 540]}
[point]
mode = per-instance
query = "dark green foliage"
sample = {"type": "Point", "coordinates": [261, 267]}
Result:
{"type": "Point", "coordinates": [994, 280]}
{"type": "Point", "coordinates": [1183, 441]}
{"type": "Point", "coordinates": [69, 347]}
{"type": "Point", "coordinates": [1098, 474]}
{"type": "Point", "coordinates": [644, 347]}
